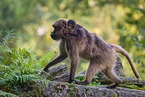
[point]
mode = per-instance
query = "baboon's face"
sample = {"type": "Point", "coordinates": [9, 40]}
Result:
{"type": "Point", "coordinates": [71, 24]}
{"type": "Point", "coordinates": [59, 29]}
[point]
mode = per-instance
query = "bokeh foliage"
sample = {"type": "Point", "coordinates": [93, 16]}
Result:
{"type": "Point", "coordinates": [119, 22]}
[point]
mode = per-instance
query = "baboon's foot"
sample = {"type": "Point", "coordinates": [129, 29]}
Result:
{"type": "Point", "coordinates": [82, 82]}
{"type": "Point", "coordinates": [112, 86]}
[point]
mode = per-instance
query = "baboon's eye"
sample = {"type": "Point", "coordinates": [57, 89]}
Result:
{"type": "Point", "coordinates": [64, 25]}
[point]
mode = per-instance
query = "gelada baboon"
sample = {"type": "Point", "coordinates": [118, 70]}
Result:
{"type": "Point", "coordinates": [80, 43]}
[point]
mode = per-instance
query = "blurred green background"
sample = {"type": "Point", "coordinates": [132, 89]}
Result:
{"type": "Point", "coordinates": [120, 22]}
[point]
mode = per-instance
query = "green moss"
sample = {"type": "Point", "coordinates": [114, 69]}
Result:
{"type": "Point", "coordinates": [57, 89]}
{"type": "Point", "coordinates": [85, 94]}
{"type": "Point", "coordinates": [71, 94]}
{"type": "Point", "coordinates": [113, 95]}
{"type": "Point", "coordinates": [91, 94]}
{"type": "Point", "coordinates": [58, 84]}
{"type": "Point", "coordinates": [105, 81]}
{"type": "Point", "coordinates": [104, 94]}
{"type": "Point", "coordinates": [75, 89]}
{"type": "Point", "coordinates": [68, 90]}
{"type": "Point", "coordinates": [63, 86]}
{"type": "Point", "coordinates": [132, 86]}
{"type": "Point", "coordinates": [67, 84]}
{"type": "Point", "coordinates": [93, 82]}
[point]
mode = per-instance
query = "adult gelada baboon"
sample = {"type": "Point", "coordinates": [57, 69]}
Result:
{"type": "Point", "coordinates": [76, 41]}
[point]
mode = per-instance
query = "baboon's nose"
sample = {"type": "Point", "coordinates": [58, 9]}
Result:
{"type": "Point", "coordinates": [52, 35]}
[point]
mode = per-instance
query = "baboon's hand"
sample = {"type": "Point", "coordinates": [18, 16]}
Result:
{"type": "Point", "coordinates": [71, 80]}
{"type": "Point", "coordinates": [44, 69]}
{"type": "Point", "coordinates": [41, 71]}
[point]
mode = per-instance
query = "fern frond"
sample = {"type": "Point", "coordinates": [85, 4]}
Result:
{"type": "Point", "coordinates": [47, 57]}
{"type": "Point", "coordinates": [5, 69]}
{"type": "Point", "coordinates": [9, 35]}
{"type": "Point", "coordinates": [3, 46]}
{"type": "Point", "coordinates": [25, 78]}
{"type": "Point", "coordinates": [5, 94]}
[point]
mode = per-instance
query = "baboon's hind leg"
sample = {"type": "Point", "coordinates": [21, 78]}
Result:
{"type": "Point", "coordinates": [112, 76]}
{"type": "Point", "coordinates": [90, 72]}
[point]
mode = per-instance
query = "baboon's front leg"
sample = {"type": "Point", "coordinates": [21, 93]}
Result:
{"type": "Point", "coordinates": [74, 56]}
{"type": "Point", "coordinates": [62, 55]}
{"type": "Point", "coordinates": [73, 70]}
{"type": "Point", "coordinates": [56, 60]}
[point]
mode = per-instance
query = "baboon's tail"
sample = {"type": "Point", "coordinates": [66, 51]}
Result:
{"type": "Point", "coordinates": [122, 51]}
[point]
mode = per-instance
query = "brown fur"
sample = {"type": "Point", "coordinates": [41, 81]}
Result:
{"type": "Point", "coordinates": [81, 43]}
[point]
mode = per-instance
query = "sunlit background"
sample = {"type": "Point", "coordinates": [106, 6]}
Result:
{"type": "Point", "coordinates": [120, 22]}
